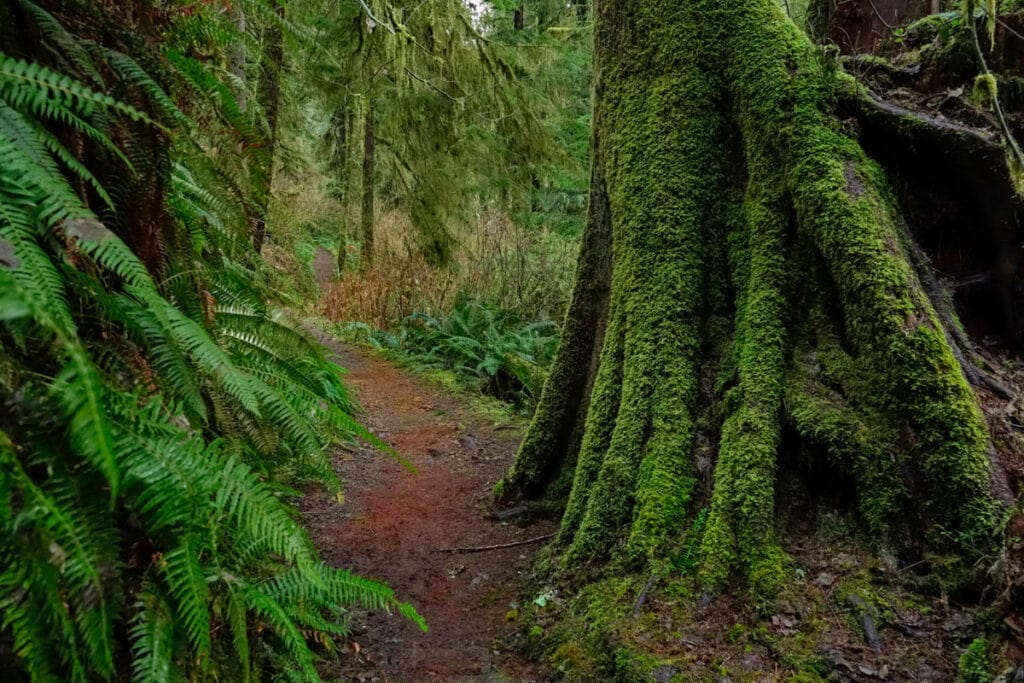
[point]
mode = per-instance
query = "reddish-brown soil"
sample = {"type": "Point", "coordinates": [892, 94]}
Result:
{"type": "Point", "coordinates": [394, 526]}
{"type": "Point", "coordinates": [324, 267]}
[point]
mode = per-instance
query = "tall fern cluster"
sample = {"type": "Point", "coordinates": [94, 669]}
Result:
{"type": "Point", "coordinates": [485, 348]}
{"type": "Point", "coordinates": [153, 409]}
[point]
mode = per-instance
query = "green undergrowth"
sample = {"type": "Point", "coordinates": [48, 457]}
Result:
{"type": "Point", "coordinates": [474, 349]}
{"type": "Point", "coordinates": [157, 415]}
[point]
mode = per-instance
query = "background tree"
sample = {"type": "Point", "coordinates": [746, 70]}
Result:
{"type": "Point", "coordinates": [440, 107]}
{"type": "Point", "coordinates": [269, 98]}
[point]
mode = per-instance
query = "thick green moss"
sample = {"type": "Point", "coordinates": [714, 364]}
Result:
{"type": "Point", "coordinates": [604, 405]}
{"type": "Point", "coordinates": [652, 118]}
{"type": "Point", "coordinates": [720, 153]}
{"type": "Point", "coordinates": [823, 418]}
{"type": "Point", "coordinates": [743, 502]}
{"type": "Point", "coordinates": [975, 664]}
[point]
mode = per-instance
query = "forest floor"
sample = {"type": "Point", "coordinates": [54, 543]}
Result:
{"type": "Point", "coordinates": [400, 527]}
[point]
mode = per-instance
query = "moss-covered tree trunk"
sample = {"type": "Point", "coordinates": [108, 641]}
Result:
{"type": "Point", "coordinates": [269, 96]}
{"type": "Point", "coordinates": [367, 218]}
{"type": "Point", "coordinates": [760, 281]}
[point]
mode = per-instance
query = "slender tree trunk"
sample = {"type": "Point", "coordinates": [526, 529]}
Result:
{"type": "Point", "coordinates": [342, 124]}
{"type": "Point", "coordinates": [270, 101]}
{"type": "Point", "coordinates": [759, 281]}
{"type": "Point", "coordinates": [367, 217]}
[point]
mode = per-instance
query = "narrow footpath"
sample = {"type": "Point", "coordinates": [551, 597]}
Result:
{"type": "Point", "coordinates": [399, 527]}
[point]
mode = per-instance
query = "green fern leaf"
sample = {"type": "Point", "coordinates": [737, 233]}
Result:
{"type": "Point", "coordinates": [186, 584]}
{"type": "Point", "coordinates": [153, 641]}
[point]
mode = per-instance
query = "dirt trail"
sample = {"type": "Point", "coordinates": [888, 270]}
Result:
{"type": "Point", "coordinates": [392, 524]}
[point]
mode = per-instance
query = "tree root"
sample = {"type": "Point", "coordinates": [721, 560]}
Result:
{"type": "Point", "coordinates": [976, 163]}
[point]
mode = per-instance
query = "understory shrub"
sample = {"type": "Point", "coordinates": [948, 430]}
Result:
{"type": "Point", "coordinates": [488, 349]}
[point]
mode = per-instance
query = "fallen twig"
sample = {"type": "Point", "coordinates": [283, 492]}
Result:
{"type": "Point", "coordinates": [496, 546]}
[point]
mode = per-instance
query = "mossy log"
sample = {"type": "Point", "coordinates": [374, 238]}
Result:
{"type": "Point", "coordinates": [759, 281]}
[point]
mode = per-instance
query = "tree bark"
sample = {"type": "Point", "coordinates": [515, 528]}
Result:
{"type": "Point", "coordinates": [270, 101]}
{"type": "Point", "coordinates": [759, 281]}
{"type": "Point", "coordinates": [367, 215]}
{"type": "Point", "coordinates": [342, 124]}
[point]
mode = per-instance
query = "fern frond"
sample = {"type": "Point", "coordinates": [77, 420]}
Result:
{"type": "Point", "coordinates": [187, 586]}
{"type": "Point", "coordinates": [39, 283]}
{"type": "Point", "coordinates": [340, 589]}
{"type": "Point", "coordinates": [287, 631]}
{"type": "Point", "coordinates": [27, 592]}
{"type": "Point", "coordinates": [238, 621]}
{"type": "Point", "coordinates": [206, 84]}
{"type": "Point", "coordinates": [12, 120]}
{"type": "Point", "coordinates": [177, 375]}
{"type": "Point", "coordinates": [79, 390]}
{"type": "Point", "coordinates": [128, 69]}
{"type": "Point", "coordinates": [71, 49]}
{"type": "Point", "coordinates": [153, 640]}
{"type": "Point", "coordinates": [169, 475]}
{"type": "Point", "coordinates": [253, 508]}
{"type": "Point", "coordinates": [28, 180]}
{"type": "Point", "coordinates": [46, 92]}
{"type": "Point", "coordinates": [80, 562]}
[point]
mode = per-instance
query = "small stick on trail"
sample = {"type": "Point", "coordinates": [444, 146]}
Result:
{"type": "Point", "coordinates": [497, 546]}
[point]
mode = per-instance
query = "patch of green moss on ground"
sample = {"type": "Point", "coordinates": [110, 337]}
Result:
{"type": "Point", "coordinates": [486, 407]}
{"type": "Point", "coordinates": [579, 636]}
{"type": "Point", "coordinates": [977, 663]}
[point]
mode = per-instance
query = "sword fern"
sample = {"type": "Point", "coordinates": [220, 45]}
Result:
{"type": "Point", "coordinates": [152, 405]}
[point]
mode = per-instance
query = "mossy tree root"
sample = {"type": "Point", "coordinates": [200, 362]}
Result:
{"type": "Point", "coordinates": [547, 457]}
{"type": "Point", "coordinates": [720, 152]}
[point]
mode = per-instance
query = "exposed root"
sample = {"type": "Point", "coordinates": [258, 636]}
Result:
{"type": "Point", "coordinates": [975, 162]}
{"type": "Point", "coordinates": [733, 194]}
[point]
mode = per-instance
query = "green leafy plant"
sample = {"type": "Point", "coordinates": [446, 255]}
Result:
{"type": "Point", "coordinates": [488, 348]}
{"type": "Point", "coordinates": [974, 663]}
{"type": "Point", "coordinates": [685, 561]}
{"type": "Point", "coordinates": [153, 407]}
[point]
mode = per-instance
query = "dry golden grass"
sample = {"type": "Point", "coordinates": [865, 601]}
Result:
{"type": "Point", "coordinates": [527, 271]}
